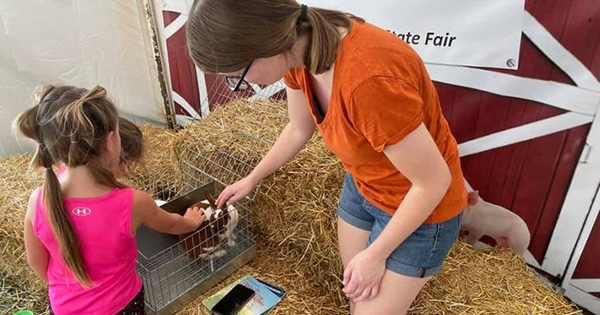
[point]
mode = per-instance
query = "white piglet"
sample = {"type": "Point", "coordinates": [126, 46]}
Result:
{"type": "Point", "coordinates": [504, 226]}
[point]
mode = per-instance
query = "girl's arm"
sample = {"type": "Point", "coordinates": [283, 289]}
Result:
{"type": "Point", "coordinates": [292, 139]}
{"type": "Point", "coordinates": [418, 158]}
{"type": "Point", "coordinates": [37, 254]}
{"type": "Point", "coordinates": [145, 211]}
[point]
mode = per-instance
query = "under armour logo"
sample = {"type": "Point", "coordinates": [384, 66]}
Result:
{"type": "Point", "coordinates": [81, 211]}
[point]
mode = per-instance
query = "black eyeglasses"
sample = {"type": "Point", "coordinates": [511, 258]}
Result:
{"type": "Point", "coordinates": [237, 82]}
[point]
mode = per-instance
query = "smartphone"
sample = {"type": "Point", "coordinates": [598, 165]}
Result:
{"type": "Point", "coordinates": [233, 301]}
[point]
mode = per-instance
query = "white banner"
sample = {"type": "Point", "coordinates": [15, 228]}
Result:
{"type": "Point", "coordinates": [482, 33]}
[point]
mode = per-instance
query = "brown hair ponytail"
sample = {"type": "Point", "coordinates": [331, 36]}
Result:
{"type": "Point", "coordinates": [225, 35]}
{"type": "Point", "coordinates": [61, 224]}
{"type": "Point", "coordinates": [322, 27]}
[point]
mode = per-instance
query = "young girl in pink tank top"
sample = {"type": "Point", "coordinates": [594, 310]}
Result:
{"type": "Point", "coordinates": [79, 230]}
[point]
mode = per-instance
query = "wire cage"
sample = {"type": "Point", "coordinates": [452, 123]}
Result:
{"type": "Point", "coordinates": [219, 93]}
{"type": "Point", "coordinates": [177, 269]}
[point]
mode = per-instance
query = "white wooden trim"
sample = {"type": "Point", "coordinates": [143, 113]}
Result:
{"type": "Point", "coordinates": [183, 120]}
{"type": "Point", "coordinates": [523, 133]}
{"type": "Point", "coordinates": [564, 59]}
{"type": "Point", "coordinates": [530, 259]}
{"type": "Point", "coordinates": [179, 6]}
{"type": "Point", "coordinates": [255, 88]}
{"type": "Point", "coordinates": [586, 285]}
{"type": "Point", "coordinates": [203, 91]}
{"type": "Point", "coordinates": [565, 96]}
{"type": "Point", "coordinates": [588, 301]}
{"type": "Point", "coordinates": [576, 207]}
{"type": "Point", "coordinates": [185, 105]}
{"type": "Point", "coordinates": [182, 7]}
{"type": "Point", "coordinates": [267, 92]}
{"type": "Point", "coordinates": [174, 26]}
{"type": "Point", "coordinates": [160, 28]}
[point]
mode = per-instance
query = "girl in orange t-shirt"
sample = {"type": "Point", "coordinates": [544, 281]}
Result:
{"type": "Point", "coordinates": [370, 97]}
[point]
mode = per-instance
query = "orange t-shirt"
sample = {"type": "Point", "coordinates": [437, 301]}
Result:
{"type": "Point", "coordinates": [382, 92]}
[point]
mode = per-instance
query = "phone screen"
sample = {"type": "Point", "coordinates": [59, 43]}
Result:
{"type": "Point", "coordinates": [233, 301]}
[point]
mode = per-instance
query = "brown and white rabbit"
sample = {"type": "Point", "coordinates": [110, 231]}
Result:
{"type": "Point", "coordinates": [216, 230]}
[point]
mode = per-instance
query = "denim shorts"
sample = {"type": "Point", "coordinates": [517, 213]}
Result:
{"type": "Point", "coordinates": [420, 255]}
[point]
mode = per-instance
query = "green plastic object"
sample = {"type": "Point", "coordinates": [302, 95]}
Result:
{"type": "Point", "coordinates": [24, 312]}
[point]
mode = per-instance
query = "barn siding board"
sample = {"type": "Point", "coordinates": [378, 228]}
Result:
{"type": "Point", "coordinates": [446, 95]}
{"type": "Point", "coordinates": [183, 72]}
{"type": "Point", "coordinates": [499, 112]}
{"type": "Point", "coordinates": [582, 30]}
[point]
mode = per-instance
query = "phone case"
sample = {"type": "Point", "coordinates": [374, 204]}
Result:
{"type": "Point", "coordinates": [233, 301]}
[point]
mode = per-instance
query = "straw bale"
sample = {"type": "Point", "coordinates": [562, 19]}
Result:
{"type": "Point", "coordinates": [488, 281]}
{"type": "Point", "coordinates": [298, 205]}
{"type": "Point", "coordinates": [227, 144]}
{"type": "Point", "coordinates": [272, 264]}
{"type": "Point", "coordinates": [20, 288]}
{"type": "Point", "coordinates": [294, 217]}
{"type": "Point", "coordinates": [157, 173]}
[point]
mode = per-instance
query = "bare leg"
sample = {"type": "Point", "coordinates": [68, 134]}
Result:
{"type": "Point", "coordinates": [351, 240]}
{"type": "Point", "coordinates": [397, 292]}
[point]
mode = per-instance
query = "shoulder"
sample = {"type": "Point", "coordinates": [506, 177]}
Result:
{"type": "Point", "coordinates": [371, 52]}
{"type": "Point", "coordinates": [141, 198]}
{"type": "Point", "coordinates": [140, 204]}
{"type": "Point", "coordinates": [34, 198]}
{"type": "Point", "coordinates": [294, 78]}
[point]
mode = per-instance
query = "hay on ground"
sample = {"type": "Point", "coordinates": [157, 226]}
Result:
{"type": "Point", "coordinates": [272, 264]}
{"type": "Point", "coordinates": [19, 288]}
{"type": "Point", "coordinates": [488, 281]}
{"type": "Point", "coordinates": [294, 215]}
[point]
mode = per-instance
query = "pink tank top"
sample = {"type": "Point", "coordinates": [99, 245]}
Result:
{"type": "Point", "coordinates": [103, 227]}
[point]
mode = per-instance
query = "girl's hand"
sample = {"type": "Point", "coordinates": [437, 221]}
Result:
{"type": "Point", "coordinates": [363, 275]}
{"type": "Point", "coordinates": [236, 191]}
{"type": "Point", "coordinates": [194, 216]}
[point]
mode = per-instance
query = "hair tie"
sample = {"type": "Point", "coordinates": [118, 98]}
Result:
{"type": "Point", "coordinates": [303, 10]}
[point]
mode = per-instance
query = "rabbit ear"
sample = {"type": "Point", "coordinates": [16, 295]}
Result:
{"type": "Point", "coordinates": [210, 198]}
